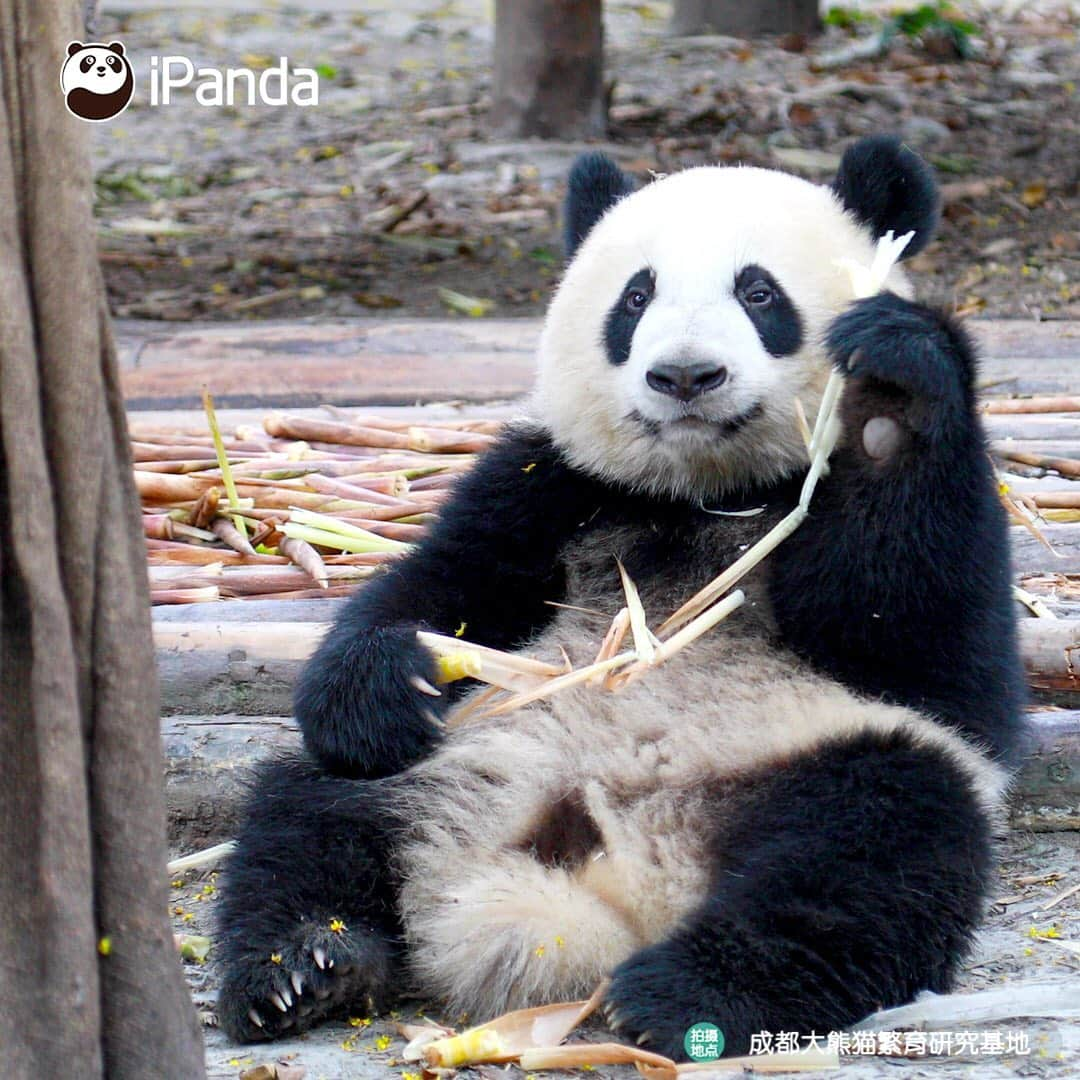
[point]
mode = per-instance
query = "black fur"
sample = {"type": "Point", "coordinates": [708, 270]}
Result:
{"type": "Point", "coordinates": [850, 879]}
{"type": "Point", "coordinates": [487, 566]}
{"type": "Point", "coordinates": [625, 314]}
{"type": "Point", "coordinates": [888, 186]}
{"type": "Point", "coordinates": [777, 319]}
{"type": "Point", "coordinates": [313, 848]}
{"type": "Point", "coordinates": [898, 584]}
{"type": "Point", "coordinates": [595, 184]}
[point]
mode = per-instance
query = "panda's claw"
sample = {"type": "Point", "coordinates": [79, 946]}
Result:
{"type": "Point", "coordinates": [319, 954]}
{"type": "Point", "coordinates": [297, 981]}
{"type": "Point", "coordinates": [255, 1018]}
{"type": "Point", "coordinates": [643, 1038]}
{"type": "Point", "coordinates": [278, 1002]}
{"type": "Point", "coordinates": [424, 686]}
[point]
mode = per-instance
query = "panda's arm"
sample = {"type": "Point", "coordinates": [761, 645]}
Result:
{"type": "Point", "coordinates": [898, 583]}
{"type": "Point", "coordinates": [486, 570]}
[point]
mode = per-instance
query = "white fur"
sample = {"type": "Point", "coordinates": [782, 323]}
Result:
{"type": "Point", "coordinates": [696, 230]}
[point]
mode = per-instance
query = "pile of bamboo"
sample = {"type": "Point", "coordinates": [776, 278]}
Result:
{"type": "Point", "coordinates": [300, 508]}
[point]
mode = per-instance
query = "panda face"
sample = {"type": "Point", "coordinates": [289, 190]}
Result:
{"type": "Point", "coordinates": [687, 324]}
{"type": "Point", "coordinates": [95, 68]}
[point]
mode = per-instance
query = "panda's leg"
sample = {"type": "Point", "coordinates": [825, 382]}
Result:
{"type": "Point", "coordinates": [847, 880]}
{"type": "Point", "coordinates": [307, 920]}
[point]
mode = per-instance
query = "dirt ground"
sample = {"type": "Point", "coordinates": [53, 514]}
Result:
{"type": "Point", "coordinates": [1017, 945]}
{"type": "Point", "coordinates": [391, 188]}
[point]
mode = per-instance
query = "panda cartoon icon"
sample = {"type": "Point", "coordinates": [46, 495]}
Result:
{"type": "Point", "coordinates": [97, 80]}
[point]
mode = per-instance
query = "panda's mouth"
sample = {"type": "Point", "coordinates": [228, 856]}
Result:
{"type": "Point", "coordinates": [696, 425]}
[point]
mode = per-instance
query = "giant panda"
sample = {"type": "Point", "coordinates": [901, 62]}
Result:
{"type": "Point", "coordinates": [785, 827]}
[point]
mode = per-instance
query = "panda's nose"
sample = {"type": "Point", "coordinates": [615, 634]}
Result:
{"type": "Point", "coordinates": [101, 69]}
{"type": "Point", "coordinates": [685, 381]}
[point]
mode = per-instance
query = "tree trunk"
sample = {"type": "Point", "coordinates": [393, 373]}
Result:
{"type": "Point", "coordinates": [90, 984]}
{"type": "Point", "coordinates": [548, 79]}
{"type": "Point", "coordinates": [741, 19]}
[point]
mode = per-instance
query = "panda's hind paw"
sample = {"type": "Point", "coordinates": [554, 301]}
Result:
{"type": "Point", "coordinates": [286, 991]}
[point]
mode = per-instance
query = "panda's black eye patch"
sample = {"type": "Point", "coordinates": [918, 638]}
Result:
{"type": "Point", "coordinates": [114, 63]}
{"type": "Point", "coordinates": [774, 316]}
{"type": "Point", "coordinates": [87, 62]}
{"type": "Point", "coordinates": [622, 319]}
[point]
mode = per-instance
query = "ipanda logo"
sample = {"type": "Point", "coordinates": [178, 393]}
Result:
{"type": "Point", "coordinates": [98, 82]}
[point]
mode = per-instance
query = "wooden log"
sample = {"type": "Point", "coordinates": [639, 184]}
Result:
{"type": "Point", "coordinates": [385, 362]}
{"type": "Point", "coordinates": [249, 667]}
{"type": "Point", "coordinates": [1041, 427]}
{"type": "Point", "coordinates": [208, 760]}
{"type": "Point", "coordinates": [1047, 788]}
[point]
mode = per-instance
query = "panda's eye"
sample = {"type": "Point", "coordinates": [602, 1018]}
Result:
{"type": "Point", "coordinates": [636, 300]}
{"type": "Point", "coordinates": [113, 63]}
{"type": "Point", "coordinates": [87, 62]}
{"type": "Point", "coordinates": [759, 294]}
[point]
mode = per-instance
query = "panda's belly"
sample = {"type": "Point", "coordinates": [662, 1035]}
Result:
{"type": "Point", "coordinates": [549, 844]}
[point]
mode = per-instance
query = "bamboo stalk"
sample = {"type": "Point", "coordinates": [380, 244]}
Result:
{"type": "Point", "coordinates": [206, 508]}
{"type": "Point", "coordinates": [175, 552]}
{"type": "Point", "coordinates": [179, 468]}
{"type": "Point", "coordinates": [331, 431]}
{"type": "Point", "coordinates": [562, 682]}
{"type": "Point", "coordinates": [327, 485]}
{"type": "Point", "coordinates": [157, 526]}
{"type": "Point", "coordinates": [223, 461]}
{"type": "Point", "coordinates": [1056, 500]}
{"type": "Point", "coordinates": [431, 440]}
{"type": "Point", "coordinates": [153, 452]}
{"type": "Point", "coordinates": [227, 533]}
{"type": "Point", "coordinates": [339, 589]}
{"type": "Point", "coordinates": [643, 640]}
{"type": "Point", "coordinates": [1016, 406]}
{"type": "Point", "coordinates": [169, 488]}
{"type": "Point", "coordinates": [1065, 466]}
{"type": "Point", "coordinates": [306, 557]}
{"type": "Point", "coordinates": [486, 427]}
{"type": "Point", "coordinates": [183, 529]}
{"type": "Point", "coordinates": [589, 1055]}
{"type": "Point", "coordinates": [392, 530]}
{"type": "Point", "coordinates": [200, 858]}
{"type": "Point", "coordinates": [202, 595]}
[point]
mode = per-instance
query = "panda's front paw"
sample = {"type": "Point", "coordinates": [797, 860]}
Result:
{"type": "Point", "coordinates": [905, 345]}
{"type": "Point", "coordinates": [910, 373]}
{"type": "Point", "coordinates": [366, 702]}
{"type": "Point", "coordinates": [661, 992]}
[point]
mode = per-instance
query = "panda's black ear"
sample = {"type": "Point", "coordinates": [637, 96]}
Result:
{"type": "Point", "coordinates": [74, 47]}
{"type": "Point", "coordinates": [887, 186]}
{"type": "Point", "coordinates": [596, 183]}
{"type": "Point", "coordinates": [117, 47]}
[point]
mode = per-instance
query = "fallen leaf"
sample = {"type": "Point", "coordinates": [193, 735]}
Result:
{"type": "Point", "coordinates": [473, 306]}
{"type": "Point", "coordinates": [1034, 194]}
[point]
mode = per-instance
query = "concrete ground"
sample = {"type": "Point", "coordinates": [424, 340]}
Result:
{"type": "Point", "coordinates": [1016, 948]}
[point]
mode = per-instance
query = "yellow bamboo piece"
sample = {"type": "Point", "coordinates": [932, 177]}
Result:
{"type": "Point", "coordinates": [223, 461]}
